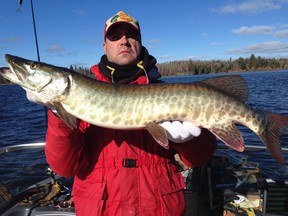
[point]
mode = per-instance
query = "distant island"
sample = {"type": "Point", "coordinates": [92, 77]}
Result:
{"type": "Point", "coordinates": [199, 67]}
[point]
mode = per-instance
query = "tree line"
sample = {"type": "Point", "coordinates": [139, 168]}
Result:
{"type": "Point", "coordinates": [197, 67]}
{"type": "Point", "coordinates": [84, 70]}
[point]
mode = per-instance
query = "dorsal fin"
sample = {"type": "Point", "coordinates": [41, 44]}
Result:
{"type": "Point", "coordinates": [232, 85]}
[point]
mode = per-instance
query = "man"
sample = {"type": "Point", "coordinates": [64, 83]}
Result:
{"type": "Point", "coordinates": [121, 172]}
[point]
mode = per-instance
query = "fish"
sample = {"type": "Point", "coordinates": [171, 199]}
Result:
{"type": "Point", "coordinates": [217, 104]}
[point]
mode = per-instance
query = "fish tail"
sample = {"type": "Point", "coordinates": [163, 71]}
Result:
{"type": "Point", "coordinates": [276, 125]}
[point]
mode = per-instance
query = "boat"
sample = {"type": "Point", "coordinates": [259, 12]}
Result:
{"type": "Point", "coordinates": [222, 187]}
{"type": "Point", "coordinates": [50, 196]}
{"type": "Point", "coordinates": [234, 187]}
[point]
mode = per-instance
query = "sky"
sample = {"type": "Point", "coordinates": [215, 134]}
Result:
{"type": "Point", "coordinates": [71, 32]}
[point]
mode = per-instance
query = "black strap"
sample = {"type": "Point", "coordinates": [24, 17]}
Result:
{"type": "Point", "coordinates": [129, 163]}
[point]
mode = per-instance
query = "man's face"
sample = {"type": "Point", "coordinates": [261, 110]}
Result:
{"type": "Point", "coordinates": [122, 45]}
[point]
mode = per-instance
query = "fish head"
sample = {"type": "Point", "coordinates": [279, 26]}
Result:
{"type": "Point", "coordinates": [37, 78]}
{"type": "Point", "coordinates": [26, 73]}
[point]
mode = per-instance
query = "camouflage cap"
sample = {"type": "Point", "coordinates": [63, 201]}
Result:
{"type": "Point", "coordinates": [121, 17]}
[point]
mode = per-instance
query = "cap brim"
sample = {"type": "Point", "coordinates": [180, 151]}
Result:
{"type": "Point", "coordinates": [121, 23]}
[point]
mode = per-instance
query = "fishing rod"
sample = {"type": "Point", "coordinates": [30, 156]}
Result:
{"type": "Point", "coordinates": [35, 32]}
{"type": "Point", "coordinates": [34, 27]}
{"type": "Point", "coordinates": [36, 42]}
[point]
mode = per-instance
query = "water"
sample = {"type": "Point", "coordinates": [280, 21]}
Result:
{"type": "Point", "coordinates": [21, 122]}
{"type": "Point", "coordinates": [267, 91]}
{"type": "Point", "coordinates": [24, 122]}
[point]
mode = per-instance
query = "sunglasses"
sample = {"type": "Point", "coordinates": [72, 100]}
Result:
{"type": "Point", "coordinates": [114, 36]}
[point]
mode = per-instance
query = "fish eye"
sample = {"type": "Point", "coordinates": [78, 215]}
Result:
{"type": "Point", "coordinates": [33, 65]}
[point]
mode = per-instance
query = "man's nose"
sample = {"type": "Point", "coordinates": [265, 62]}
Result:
{"type": "Point", "coordinates": [124, 39]}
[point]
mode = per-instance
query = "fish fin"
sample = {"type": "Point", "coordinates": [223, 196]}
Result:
{"type": "Point", "coordinates": [70, 120]}
{"type": "Point", "coordinates": [271, 136]}
{"type": "Point", "coordinates": [158, 133]}
{"type": "Point", "coordinates": [233, 85]}
{"type": "Point", "coordinates": [230, 135]}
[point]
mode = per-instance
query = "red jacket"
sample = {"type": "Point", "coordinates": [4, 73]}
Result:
{"type": "Point", "coordinates": [121, 172]}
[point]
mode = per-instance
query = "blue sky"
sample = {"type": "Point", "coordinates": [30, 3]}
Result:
{"type": "Point", "coordinates": [71, 32]}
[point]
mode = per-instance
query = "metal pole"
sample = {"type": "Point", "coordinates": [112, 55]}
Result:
{"type": "Point", "coordinates": [35, 33]}
{"type": "Point", "coordinates": [252, 148]}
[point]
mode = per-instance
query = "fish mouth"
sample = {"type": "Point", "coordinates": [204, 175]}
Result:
{"type": "Point", "coordinates": [17, 66]}
{"type": "Point", "coordinates": [6, 73]}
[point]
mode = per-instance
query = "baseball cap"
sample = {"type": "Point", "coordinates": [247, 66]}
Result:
{"type": "Point", "coordinates": [121, 17]}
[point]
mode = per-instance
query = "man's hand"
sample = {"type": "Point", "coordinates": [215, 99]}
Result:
{"type": "Point", "coordinates": [180, 132]}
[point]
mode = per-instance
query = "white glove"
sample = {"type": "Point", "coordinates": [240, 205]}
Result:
{"type": "Point", "coordinates": [180, 132]}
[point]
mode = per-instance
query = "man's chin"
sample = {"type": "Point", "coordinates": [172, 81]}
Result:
{"type": "Point", "coordinates": [123, 61]}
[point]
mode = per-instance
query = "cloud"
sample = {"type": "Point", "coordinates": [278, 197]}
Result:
{"type": "Point", "coordinates": [151, 44]}
{"type": "Point", "coordinates": [253, 6]}
{"type": "Point", "coordinates": [165, 57]}
{"type": "Point", "coordinates": [56, 51]}
{"type": "Point", "coordinates": [92, 42]}
{"type": "Point", "coordinates": [254, 30]}
{"type": "Point", "coordinates": [282, 34]}
{"type": "Point", "coordinates": [54, 48]}
{"type": "Point", "coordinates": [11, 39]}
{"type": "Point", "coordinates": [285, 26]}
{"type": "Point", "coordinates": [153, 41]}
{"type": "Point", "coordinates": [263, 48]}
{"type": "Point", "coordinates": [261, 30]}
